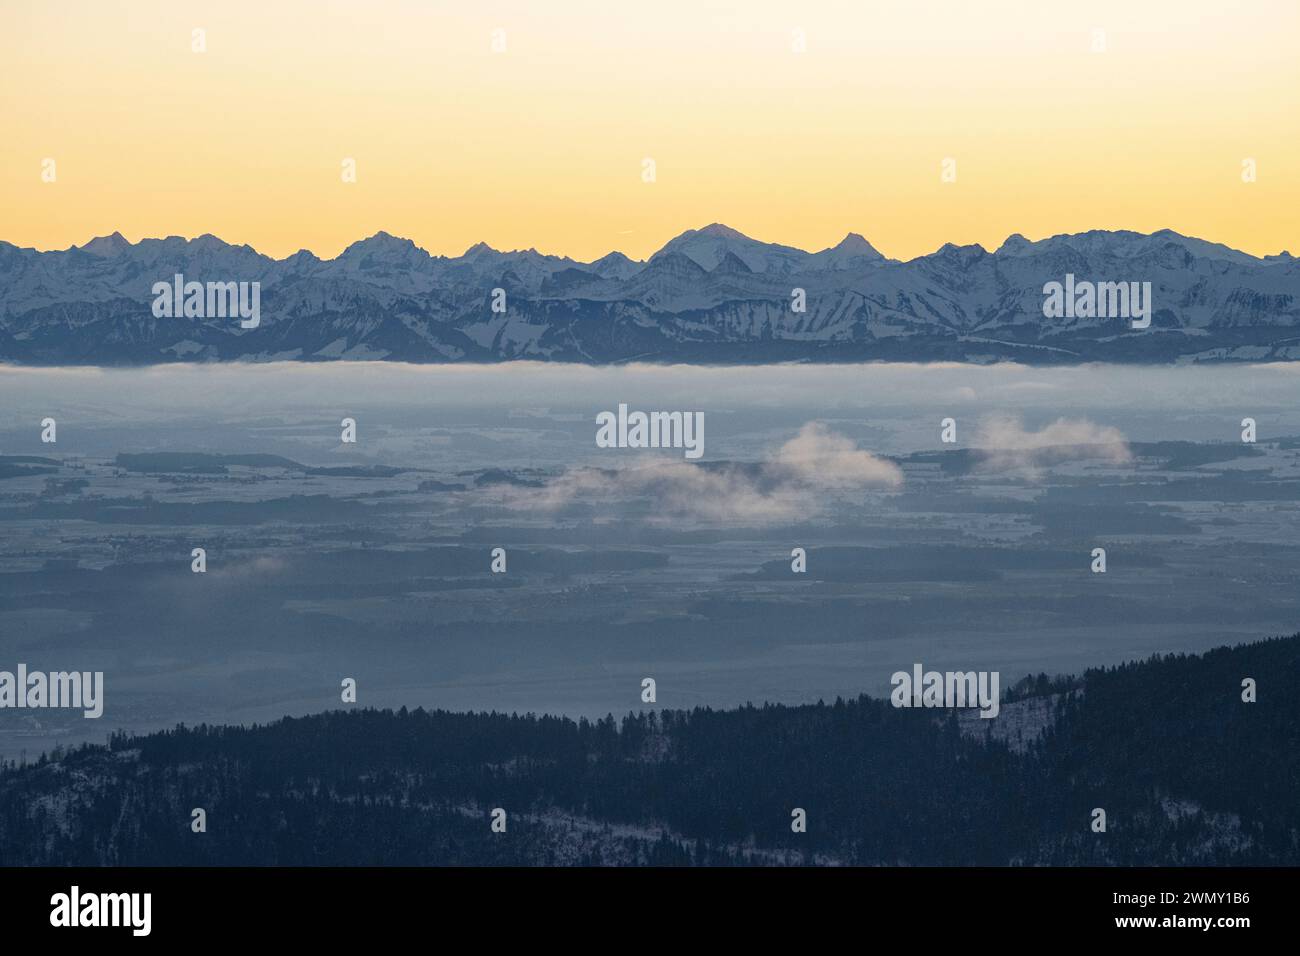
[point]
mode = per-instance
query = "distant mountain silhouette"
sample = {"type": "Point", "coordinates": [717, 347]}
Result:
{"type": "Point", "coordinates": [709, 295]}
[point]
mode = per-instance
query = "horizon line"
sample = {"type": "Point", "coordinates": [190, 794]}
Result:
{"type": "Point", "coordinates": [1282, 253]}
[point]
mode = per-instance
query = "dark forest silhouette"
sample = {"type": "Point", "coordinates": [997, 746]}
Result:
{"type": "Point", "coordinates": [1187, 772]}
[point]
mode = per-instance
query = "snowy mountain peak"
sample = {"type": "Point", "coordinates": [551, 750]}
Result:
{"type": "Point", "coordinates": [950, 250]}
{"type": "Point", "coordinates": [106, 246]}
{"type": "Point", "coordinates": [208, 242]}
{"type": "Point", "coordinates": [615, 265]}
{"type": "Point", "coordinates": [717, 229]}
{"type": "Point", "coordinates": [853, 251]}
{"type": "Point", "coordinates": [301, 258]}
{"type": "Point", "coordinates": [707, 248]}
{"type": "Point", "coordinates": [855, 243]}
{"type": "Point", "coordinates": [1013, 245]}
{"type": "Point", "coordinates": [384, 246]}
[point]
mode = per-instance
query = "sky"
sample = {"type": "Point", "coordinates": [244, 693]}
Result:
{"type": "Point", "coordinates": [794, 122]}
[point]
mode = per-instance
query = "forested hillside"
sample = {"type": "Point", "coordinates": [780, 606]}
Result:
{"type": "Point", "coordinates": [1187, 772]}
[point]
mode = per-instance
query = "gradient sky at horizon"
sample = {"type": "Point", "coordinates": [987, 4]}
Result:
{"type": "Point", "coordinates": [542, 145]}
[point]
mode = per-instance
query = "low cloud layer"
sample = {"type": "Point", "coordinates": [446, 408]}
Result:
{"type": "Point", "coordinates": [792, 484]}
{"type": "Point", "coordinates": [1006, 445]}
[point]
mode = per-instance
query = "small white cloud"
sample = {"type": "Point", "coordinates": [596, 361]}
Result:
{"type": "Point", "coordinates": [791, 485]}
{"type": "Point", "coordinates": [820, 457]}
{"type": "Point", "coordinates": [1006, 445]}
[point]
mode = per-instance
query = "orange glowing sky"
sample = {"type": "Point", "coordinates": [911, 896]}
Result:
{"type": "Point", "coordinates": [542, 145]}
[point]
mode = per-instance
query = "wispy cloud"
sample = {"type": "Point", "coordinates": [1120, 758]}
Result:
{"type": "Point", "coordinates": [791, 484]}
{"type": "Point", "coordinates": [822, 458]}
{"type": "Point", "coordinates": [1006, 445]}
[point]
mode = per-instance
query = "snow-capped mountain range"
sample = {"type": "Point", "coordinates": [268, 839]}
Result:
{"type": "Point", "coordinates": [711, 295]}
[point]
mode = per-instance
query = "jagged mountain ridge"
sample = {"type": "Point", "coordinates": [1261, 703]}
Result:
{"type": "Point", "coordinates": [709, 295]}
